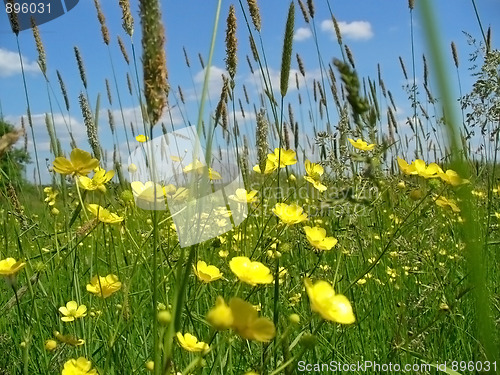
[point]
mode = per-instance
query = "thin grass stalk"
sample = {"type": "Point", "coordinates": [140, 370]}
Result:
{"type": "Point", "coordinates": [475, 246]}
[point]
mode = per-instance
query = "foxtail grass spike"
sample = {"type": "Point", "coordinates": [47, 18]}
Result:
{"type": "Point", "coordinates": [454, 53]}
{"type": "Point", "coordinates": [102, 22]}
{"type": "Point", "coordinates": [231, 44]}
{"type": "Point", "coordinates": [253, 48]}
{"type": "Point", "coordinates": [403, 67]}
{"type": "Point", "coordinates": [286, 56]}
{"type": "Point", "coordinates": [81, 67]}
{"type": "Point", "coordinates": [303, 9]}
{"type": "Point", "coordinates": [262, 139]}
{"type": "Point", "coordinates": [350, 57]}
{"type": "Point", "coordinates": [202, 63]}
{"type": "Point", "coordinates": [300, 63]}
{"type": "Point", "coordinates": [310, 6]}
{"type": "Point", "coordinates": [108, 92]}
{"type": "Point", "coordinates": [129, 84]}
{"type": "Point", "coordinates": [14, 22]}
{"type": "Point", "coordinates": [336, 27]}
{"type": "Point", "coordinates": [90, 125]}
{"type": "Point", "coordinates": [123, 50]}
{"type": "Point", "coordinates": [186, 58]}
{"type": "Point", "coordinates": [254, 13]}
{"type": "Point", "coordinates": [42, 59]}
{"type": "Point", "coordinates": [111, 121]}
{"type": "Point", "coordinates": [154, 60]}
{"type": "Point", "coordinates": [127, 19]}
{"type": "Point", "coordinates": [426, 71]}
{"type": "Point", "coordinates": [63, 89]}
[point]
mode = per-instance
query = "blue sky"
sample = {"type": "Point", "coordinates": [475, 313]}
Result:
{"type": "Point", "coordinates": [376, 32]}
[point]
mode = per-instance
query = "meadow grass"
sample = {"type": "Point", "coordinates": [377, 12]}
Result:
{"type": "Point", "coordinates": [413, 248]}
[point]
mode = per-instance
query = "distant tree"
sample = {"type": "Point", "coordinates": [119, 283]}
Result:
{"type": "Point", "coordinates": [12, 160]}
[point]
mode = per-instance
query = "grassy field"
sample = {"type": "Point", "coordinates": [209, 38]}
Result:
{"type": "Point", "coordinates": [383, 250]}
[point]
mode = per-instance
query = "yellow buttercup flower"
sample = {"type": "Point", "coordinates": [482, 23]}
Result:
{"type": "Point", "coordinates": [72, 311]}
{"type": "Point", "coordinates": [104, 286]}
{"type": "Point", "coordinates": [248, 325]}
{"type": "Point", "coordinates": [284, 158]}
{"type": "Point", "coordinates": [80, 163]}
{"type": "Point", "coordinates": [148, 192]}
{"type": "Point", "coordinates": [206, 273]}
{"type": "Point", "coordinates": [10, 266]}
{"type": "Point", "coordinates": [196, 166]}
{"type": "Point", "coordinates": [430, 171]}
{"type": "Point", "coordinates": [290, 214]}
{"type": "Point", "coordinates": [331, 306]}
{"type": "Point", "coordinates": [270, 167]}
{"type": "Point", "coordinates": [141, 138]}
{"type": "Point", "coordinates": [97, 182]}
{"type": "Point", "coordinates": [214, 175]}
{"type": "Point", "coordinates": [243, 196]}
{"type": "Point", "coordinates": [249, 272]}
{"type": "Point", "coordinates": [451, 177]}
{"type": "Point", "coordinates": [80, 366]}
{"type": "Point", "coordinates": [50, 345]}
{"type": "Point", "coordinates": [221, 316]}
{"type": "Point", "coordinates": [361, 145]}
{"type": "Point", "coordinates": [405, 167]}
{"type": "Point", "coordinates": [191, 344]}
{"type": "Point", "coordinates": [445, 203]}
{"type": "Point", "coordinates": [316, 183]}
{"type": "Point", "coordinates": [318, 239]}
{"type": "Point", "coordinates": [314, 170]}
{"type": "Point", "coordinates": [103, 214]}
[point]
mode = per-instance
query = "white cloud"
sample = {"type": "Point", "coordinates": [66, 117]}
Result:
{"type": "Point", "coordinates": [11, 65]}
{"type": "Point", "coordinates": [302, 33]}
{"type": "Point", "coordinates": [356, 30]}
